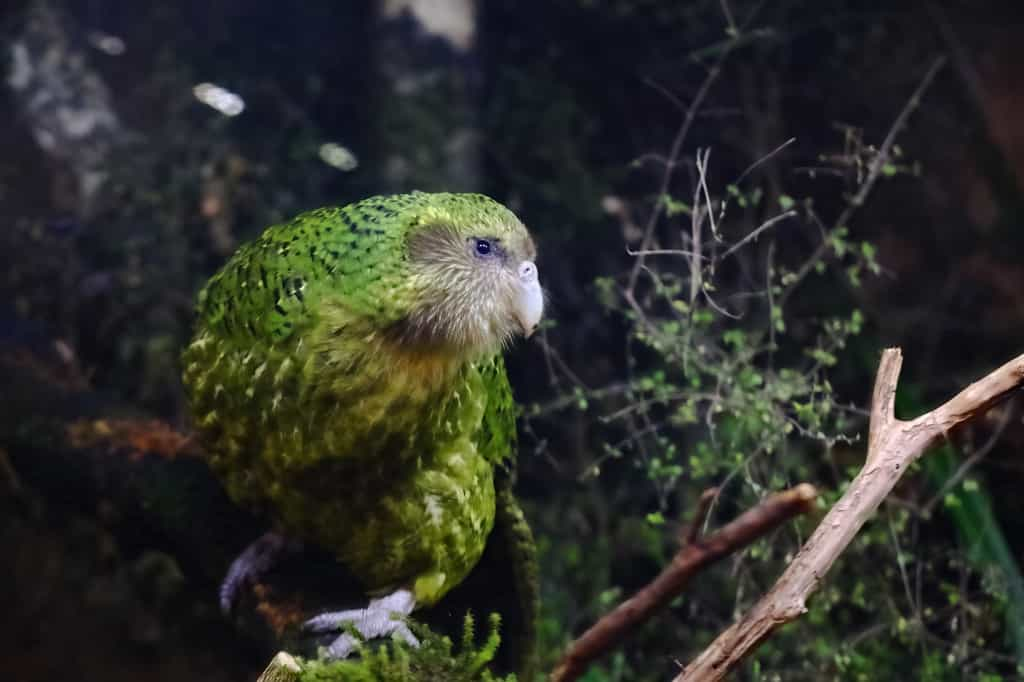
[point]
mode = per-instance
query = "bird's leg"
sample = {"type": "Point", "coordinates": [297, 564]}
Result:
{"type": "Point", "coordinates": [254, 561]}
{"type": "Point", "coordinates": [384, 616]}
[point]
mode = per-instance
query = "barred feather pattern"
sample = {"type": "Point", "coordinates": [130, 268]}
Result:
{"type": "Point", "coordinates": [342, 392]}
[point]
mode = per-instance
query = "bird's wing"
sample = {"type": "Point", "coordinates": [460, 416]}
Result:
{"type": "Point", "coordinates": [272, 288]}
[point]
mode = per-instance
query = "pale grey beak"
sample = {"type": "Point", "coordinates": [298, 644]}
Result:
{"type": "Point", "coordinates": [530, 299]}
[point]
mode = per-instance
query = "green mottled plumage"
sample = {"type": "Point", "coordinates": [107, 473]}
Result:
{"type": "Point", "coordinates": [328, 399]}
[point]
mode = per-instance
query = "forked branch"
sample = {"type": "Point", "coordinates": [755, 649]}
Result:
{"type": "Point", "coordinates": [893, 445]}
{"type": "Point", "coordinates": [697, 554]}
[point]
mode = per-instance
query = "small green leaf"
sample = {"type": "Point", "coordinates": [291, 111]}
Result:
{"type": "Point", "coordinates": [674, 207]}
{"type": "Point", "coordinates": [656, 519]}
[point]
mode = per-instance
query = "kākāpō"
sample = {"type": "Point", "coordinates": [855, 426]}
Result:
{"type": "Point", "coordinates": [346, 376]}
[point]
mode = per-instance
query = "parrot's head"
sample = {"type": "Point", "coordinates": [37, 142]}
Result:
{"type": "Point", "coordinates": [473, 274]}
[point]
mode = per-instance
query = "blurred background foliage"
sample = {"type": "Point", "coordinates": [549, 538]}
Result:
{"type": "Point", "coordinates": [746, 366]}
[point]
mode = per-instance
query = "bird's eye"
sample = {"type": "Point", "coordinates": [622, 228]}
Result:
{"type": "Point", "coordinates": [483, 247]}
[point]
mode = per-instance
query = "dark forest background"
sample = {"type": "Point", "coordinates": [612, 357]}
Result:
{"type": "Point", "coordinates": [121, 191]}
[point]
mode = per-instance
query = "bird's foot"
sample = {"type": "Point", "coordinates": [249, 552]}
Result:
{"type": "Point", "coordinates": [254, 561]}
{"type": "Point", "coordinates": [383, 617]}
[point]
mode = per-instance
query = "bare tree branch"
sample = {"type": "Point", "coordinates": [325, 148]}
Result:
{"type": "Point", "coordinates": [676, 148]}
{"type": "Point", "coordinates": [875, 168]}
{"type": "Point", "coordinates": [756, 233]}
{"type": "Point", "coordinates": [893, 445]}
{"type": "Point", "coordinates": [690, 560]}
{"type": "Point", "coordinates": [707, 499]}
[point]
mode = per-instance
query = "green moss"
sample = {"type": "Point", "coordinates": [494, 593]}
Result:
{"type": "Point", "coordinates": [433, 659]}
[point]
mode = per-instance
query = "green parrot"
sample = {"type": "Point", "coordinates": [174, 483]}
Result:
{"type": "Point", "coordinates": [346, 376]}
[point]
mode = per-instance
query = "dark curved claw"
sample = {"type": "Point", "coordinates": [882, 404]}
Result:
{"type": "Point", "coordinates": [254, 561]}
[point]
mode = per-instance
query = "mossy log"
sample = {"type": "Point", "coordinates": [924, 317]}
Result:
{"type": "Point", "coordinates": [81, 447]}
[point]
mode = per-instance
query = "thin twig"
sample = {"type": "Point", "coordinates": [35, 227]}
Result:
{"type": "Point", "coordinates": [702, 184]}
{"type": "Point", "coordinates": [900, 561]}
{"type": "Point", "coordinates": [878, 162]}
{"type": "Point", "coordinates": [666, 93]}
{"type": "Point", "coordinates": [762, 160]}
{"type": "Point", "coordinates": [718, 308]}
{"type": "Point", "coordinates": [754, 235]}
{"type": "Point", "coordinates": [570, 399]}
{"type": "Point", "coordinates": [696, 234]}
{"type": "Point", "coordinates": [728, 17]}
{"type": "Point", "coordinates": [666, 252]}
{"type": "Point", "coordinates": [673, 157]}
{"type": "Point", "coordinates": [970, 462]}
{"type": "Point", "coordinates": [695, 528]}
